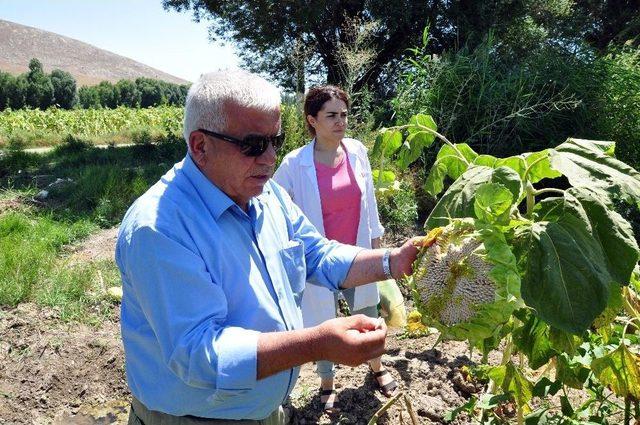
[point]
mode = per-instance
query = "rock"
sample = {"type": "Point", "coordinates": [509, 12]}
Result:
{"type": "Point", "coordinates": [42, 195]}
{"type": "Point", "coordinates": [59, 183]}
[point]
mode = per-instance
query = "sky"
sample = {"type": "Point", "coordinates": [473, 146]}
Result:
{"type": "Point", "coordinates": [138, 29]}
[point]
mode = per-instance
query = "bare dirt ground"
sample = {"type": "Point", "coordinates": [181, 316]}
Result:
{"type": "Point", "coordinates": [59, 373]}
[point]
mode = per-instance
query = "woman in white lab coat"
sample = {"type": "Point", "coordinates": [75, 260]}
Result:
{"type": "Point", "coordinates": [330, 180]}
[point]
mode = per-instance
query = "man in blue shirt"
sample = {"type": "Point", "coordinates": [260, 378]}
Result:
{"type": "Point", "coordinates": [214, 259]}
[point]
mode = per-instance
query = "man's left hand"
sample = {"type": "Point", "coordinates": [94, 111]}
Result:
{"type": "Point", "coordinates": [402, 258]}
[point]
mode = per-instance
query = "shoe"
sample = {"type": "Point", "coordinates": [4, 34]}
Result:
{"type": "Point", "coordinates": [330, 406]}
{"type": "Point", "coordinates": [388, 389]}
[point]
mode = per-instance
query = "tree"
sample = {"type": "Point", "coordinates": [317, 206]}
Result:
{"type": "Point", "coordinates": [108, 94]}
{"type": "Point", "coordinates": [39, 93]}
{"type": "Point", "coordinates": [64, 89]}
{"type": "Point", "coordinates": [151, 93]}
{"type": "Point", "coordinates": [129, 94]}
{"type": "Point", "coordinates": [89, 98]}
{"type": "Point", "coordinates": [16, 91]}
{"type": "Point", "coordinates": [288, 39]}
{"type": "Point", "coordinates": [6, 79]}
{"type": "Point", "coordinates": [292, 40]}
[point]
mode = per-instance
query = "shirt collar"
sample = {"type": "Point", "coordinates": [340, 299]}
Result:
{"type": "Point", "coordinates": [213, 197]}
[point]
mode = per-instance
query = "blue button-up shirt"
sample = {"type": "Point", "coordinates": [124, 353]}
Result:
{"type": "Point", "coordinates": [201, 279]}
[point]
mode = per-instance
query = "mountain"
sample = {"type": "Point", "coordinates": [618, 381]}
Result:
{"type": "Point", "coordinates": [88, 64]}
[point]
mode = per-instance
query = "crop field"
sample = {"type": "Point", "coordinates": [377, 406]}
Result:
{"type": "Point", "coordinates": [35, 127]}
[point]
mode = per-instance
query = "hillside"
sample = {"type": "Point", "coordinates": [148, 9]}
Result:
{"type": "Point", "coordinates": [88, 64]}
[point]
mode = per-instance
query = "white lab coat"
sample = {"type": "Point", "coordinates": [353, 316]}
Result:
{"type": "Point", "coordinates": [297, 175]}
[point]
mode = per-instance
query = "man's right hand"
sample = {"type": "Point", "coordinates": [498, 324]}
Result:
{"type": "Point", "coordinates": [351, 340]}
{"type": "Point", "coordinates": [346, 340]}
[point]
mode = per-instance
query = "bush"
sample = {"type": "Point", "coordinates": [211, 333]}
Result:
{"type": "Point", "coordinates": [293, 127]}
{"type": "Point", "coordinates": [496, 106]}
{"type": "Point", "coordinates": [399, 210]}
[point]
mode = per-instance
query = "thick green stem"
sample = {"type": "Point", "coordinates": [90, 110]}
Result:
{"type": "Point", "coordinates": [506, 356]}
{"type": "Point", "coordinates": [531, 199]}
{"type": "Point", "coordinates": [548, 190]}
{"type": "Point", "coordinates": [384, 408]}
{"type": "Point", "coordinates": [530, 167]}
{"type": "Point", "coordinates": [520, 413]}
{"type": "Point", "coordinates": [380, 169]}
{"type": "Point", "coordinates": [435, 133]}
{"type": "Point", "coordinates": [627, 411]}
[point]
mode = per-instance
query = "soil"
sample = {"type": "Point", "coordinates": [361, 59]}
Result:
{"type": "Point", "coordinates": [53, 372]}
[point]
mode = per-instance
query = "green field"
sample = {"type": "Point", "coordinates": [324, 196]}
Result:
{"type": "Point", "coordinates": [37, 128]}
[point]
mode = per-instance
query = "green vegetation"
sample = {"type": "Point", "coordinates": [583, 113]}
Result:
{"type": "Point", "coordinates": [547, 271]}
{"type": "Point", "coordinates": [521, 88]}
{"type": "Point", "coordinates": [35, 236]}
{"type": "Point", "coordinates": [37, 90]}
{"type": "Point", "coordinates": [31, 269]}
{"type": "Point", "coordinates": [301, 42]}
{"type": "Point", "coordinates": [34, 127]}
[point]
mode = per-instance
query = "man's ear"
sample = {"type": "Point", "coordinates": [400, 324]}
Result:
{"type": "Point", "coordinates": [197, 142]}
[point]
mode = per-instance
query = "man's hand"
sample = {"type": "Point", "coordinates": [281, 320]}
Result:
{"type": "Point", "coordinates": [402, 258]}
{"type": "Point", "coordinates": [351, 340]}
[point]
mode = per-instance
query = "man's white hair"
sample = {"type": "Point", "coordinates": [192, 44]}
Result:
{"type": "Point", "coordinates": [207, 97]}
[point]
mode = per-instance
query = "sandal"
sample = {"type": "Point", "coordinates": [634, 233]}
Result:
{"type": "Point", "coordinates": [388, 389]}
{"type": "Point", "coordinates": [330, 406]}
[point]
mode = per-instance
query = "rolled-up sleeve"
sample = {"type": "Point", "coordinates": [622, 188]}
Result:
{"type": "Point", "coordinates": [186, 311]}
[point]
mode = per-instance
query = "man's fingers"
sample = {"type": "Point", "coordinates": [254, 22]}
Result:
{"type": "Point", "coordinates": [362, 322]}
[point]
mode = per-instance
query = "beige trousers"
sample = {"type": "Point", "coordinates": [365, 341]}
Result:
{"type": "Point", "coordinates": [140, 415]}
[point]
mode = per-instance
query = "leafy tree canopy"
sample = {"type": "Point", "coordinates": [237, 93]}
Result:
{"type": "Point", "coordinates": [292, 40]}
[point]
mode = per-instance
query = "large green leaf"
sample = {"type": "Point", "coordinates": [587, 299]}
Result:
{"type": "Point", "coordinates": [387, 142]}
{"type": "Point", "coordinates": [609, 229]}
{"type": "Point", "coordinates": [493, 203]}
{"type": "Point", "coordinates": [612, 231]}
{"type": "Point", "coordinates": [458, 201]}
{"type": "Point", "coordinates": [620, 371]}
{"type": "Point", "coordinates": [457, 158]}
{"type": "Point", "coordinates": [532, 339]}
{"type": "Point", "coordinates": [450, 162]}
{"type": "Point", "coordinates": [539, 166]}
{"type": "Point", "coordinates": [586, 163]}
{"type": "Point", "coordinates": [570, 371]}
{"type": "Point", "coordinates": [511, 379]}
{"type": "Point", "coordinates": [516, 163]}
{"type": "Point", "coordinates": [435, 181]}
{"type": "Point", "coordinates": [417, 140]}
{"type": "Point", "coordinates": [565, 278]}
{"type": "Point", "coordinates": [564, 342]}
{"type": "Point", "coordinates": [486, 160]}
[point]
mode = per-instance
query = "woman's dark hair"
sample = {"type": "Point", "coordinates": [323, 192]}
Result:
{"type": "Point", "coordinates": [316, 97]}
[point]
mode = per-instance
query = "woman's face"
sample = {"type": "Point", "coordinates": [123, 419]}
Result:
{"type": "Point", "coordinates": [331, 122]}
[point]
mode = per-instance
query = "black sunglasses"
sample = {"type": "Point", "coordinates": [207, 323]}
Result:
{"type": "Point", "coordinates": [252, 145]}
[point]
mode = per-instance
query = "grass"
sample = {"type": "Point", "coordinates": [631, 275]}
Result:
{"type": "Point", "coordinates": [35, 236]}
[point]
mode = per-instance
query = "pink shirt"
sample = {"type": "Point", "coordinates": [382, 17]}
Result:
{"type": "Point", "coordinates": [340, 201]}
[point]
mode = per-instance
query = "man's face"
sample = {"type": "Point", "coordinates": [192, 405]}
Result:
{"type": "Point", "coordinates": [241, 177]}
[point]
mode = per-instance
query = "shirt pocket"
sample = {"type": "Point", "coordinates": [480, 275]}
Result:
{"type": "Point", "coordinates": [294, 263]}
